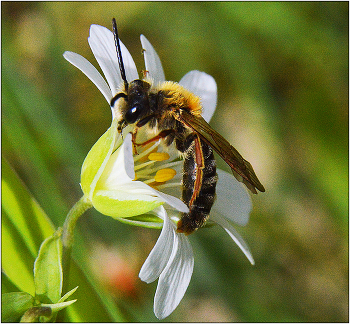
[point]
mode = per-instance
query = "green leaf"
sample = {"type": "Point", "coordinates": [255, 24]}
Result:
{"type": "Point", "coordinates": [7, 285]}
{"type": "Point", "coordinates": [68, 294]}
{"type": "Point", "coordinates": [48, 274]}
{"type": "Point", "coordinates": [23, 210]}
{"type": "Point", "coordinates": [59, 306]}
{"type": "Point", "coordinates": [24, 226]}
{"type": "Point", "coordinates": [14, 305]}
{"type": "Point", "coordinates": [35, 137]}
{"type": "Point", "coordinates": [17, 261]}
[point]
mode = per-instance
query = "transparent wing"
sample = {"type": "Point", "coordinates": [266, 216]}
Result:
{"type": "Point", "coordinates": [241, 169]}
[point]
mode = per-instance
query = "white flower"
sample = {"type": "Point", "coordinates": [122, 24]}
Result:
{"type": "Point", "coordinates": [122, 185]}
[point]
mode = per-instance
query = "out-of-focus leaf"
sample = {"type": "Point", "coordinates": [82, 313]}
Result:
{"type": "Point", "coordinates": [23, 211]}
{"type": "Point", "coordinates": [7, 285]}
{"type": "Point", "coordinates": [18, 259]}
{"type": "Point", "coordinates": [36, 138]}
{"type": "Point", "coordinates": [24, 227]}
{"type": "Point", "coordinates": [14, 305]}
{"type": "Point", "coordinates": [48, 274]}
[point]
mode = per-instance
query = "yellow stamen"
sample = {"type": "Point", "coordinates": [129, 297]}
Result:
{"type": "Point", "coordinates": [158, 156]}
{"type": "Point", "coordinates": [164, 175]}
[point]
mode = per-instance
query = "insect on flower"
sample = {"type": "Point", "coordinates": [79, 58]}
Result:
{"type": "Point", "coordinates": [175, 114]}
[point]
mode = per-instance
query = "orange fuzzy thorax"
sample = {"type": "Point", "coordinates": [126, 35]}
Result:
{"type": "Point", "coordinates": [181, 97]}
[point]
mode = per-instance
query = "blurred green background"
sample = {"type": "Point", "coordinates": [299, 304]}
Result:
{"type": "Point", "coordinates": [282, 75]}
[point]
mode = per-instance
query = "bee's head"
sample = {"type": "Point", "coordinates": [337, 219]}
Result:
{"type": "Point", "coordinates": [135, 93]}
{"type": "Point", "coordinates": [136, 103]}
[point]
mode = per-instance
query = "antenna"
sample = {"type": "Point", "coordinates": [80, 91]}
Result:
{"type": "Point", "coordinates": [119, 54]}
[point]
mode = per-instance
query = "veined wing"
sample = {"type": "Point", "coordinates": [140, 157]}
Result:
{"type": "Point", "coordinates": [241, 168]}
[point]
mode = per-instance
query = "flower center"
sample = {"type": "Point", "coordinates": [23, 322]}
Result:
{"type": "Point", "coordinates": [155, 168]}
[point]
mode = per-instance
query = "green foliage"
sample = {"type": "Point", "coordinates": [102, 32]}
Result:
{"type": "Point", "coordinates": [24, 223]}
{"type": "Point", "coordinates": [24, 227]}
{"type": "Point", "coordinates": [48, 274]}
{"type": "Point", "coordinates": [14, 305]}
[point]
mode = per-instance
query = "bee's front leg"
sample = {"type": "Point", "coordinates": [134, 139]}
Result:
{"type": "Point", "coordinates": [133, 139]}
{"type": "Point", "coordinates": [161, 135]}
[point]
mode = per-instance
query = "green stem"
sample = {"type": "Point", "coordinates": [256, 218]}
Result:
{"type": "Point", "coordinates": [81, 206]}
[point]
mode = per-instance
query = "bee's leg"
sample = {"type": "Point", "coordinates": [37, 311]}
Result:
{"type": "Point", "coordinates": [133, 139]}
{"type": "Point", "coordinates": [161, 135]}
{"type": "Point", "coordinates": [198, 168]}
{"type": "Point", "coordinates": [145, 73]}
{"type": "Point", "coordinates": [199, 183]}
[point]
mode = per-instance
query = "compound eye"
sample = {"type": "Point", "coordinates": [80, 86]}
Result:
{"type": "Point", "coordinates": [132, 114]}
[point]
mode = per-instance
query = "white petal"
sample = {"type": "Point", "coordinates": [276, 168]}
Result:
{"type": "Point", "coordinates": [128, 160]}
{"type": "Point", "coordinates": [141, 189]}
{"type": "Point", "coordinates": [232, 199]}
{"type": "Point", "coordinates": [160, 254]}
{"type": "Point", "coordinates": [152, 61]}
{"type": "Point", "coordinates": [204, 86]}
{"type": "Point", "coordinates": [173, 202]}
{"type": "Point", "coordinates": [175, 278]}
{"type": "Point", "coordinates": [120, 167]}
{"type": "Point", "coordinates": [234, 235]}
{"type": "Point", "coordinates": [102, 44]}
{"type": "Point", "coordinates": [90, 71]}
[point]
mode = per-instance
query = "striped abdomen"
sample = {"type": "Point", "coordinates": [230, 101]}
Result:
{"type": "Point", "coordinates": [199, 182]}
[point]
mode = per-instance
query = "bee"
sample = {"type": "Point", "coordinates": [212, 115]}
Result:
{"type": "Point", "coordinates": [176, 114]}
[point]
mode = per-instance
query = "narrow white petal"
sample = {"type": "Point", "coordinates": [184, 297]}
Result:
{"type": "Point", "coordinates": [175, 278]}
{"type": "Point", "coordinates": [152, 61]}
{"type": "Point", "coordinates": [204, 86]}
{"type": "Point", "coordinates": [129, 64]}
{"type": "Point", "coordinates": [173, 202]}
{"type": "Point", "coordinates": [160, 254]}
{"type": "Point", "coordinates": [234, 235]}
{"type": "Point", "coordinates": [141, 188]}
{"type": "Point", "coordinates": [90, 71]}
{"type": "Point", "coordinates": [120, 167]}
{"type": "Point", "coordinates": [128, 161]}
{"type": "Point", "coordinates": [232, 199]}
{"type": "Point", "coordinates": [102, 44]}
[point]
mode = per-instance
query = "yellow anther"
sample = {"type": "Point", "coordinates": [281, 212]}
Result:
{"type": "Point", "coordinates": [158, 156]}
{"type": "Point", "coordinates": [164, 175]}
